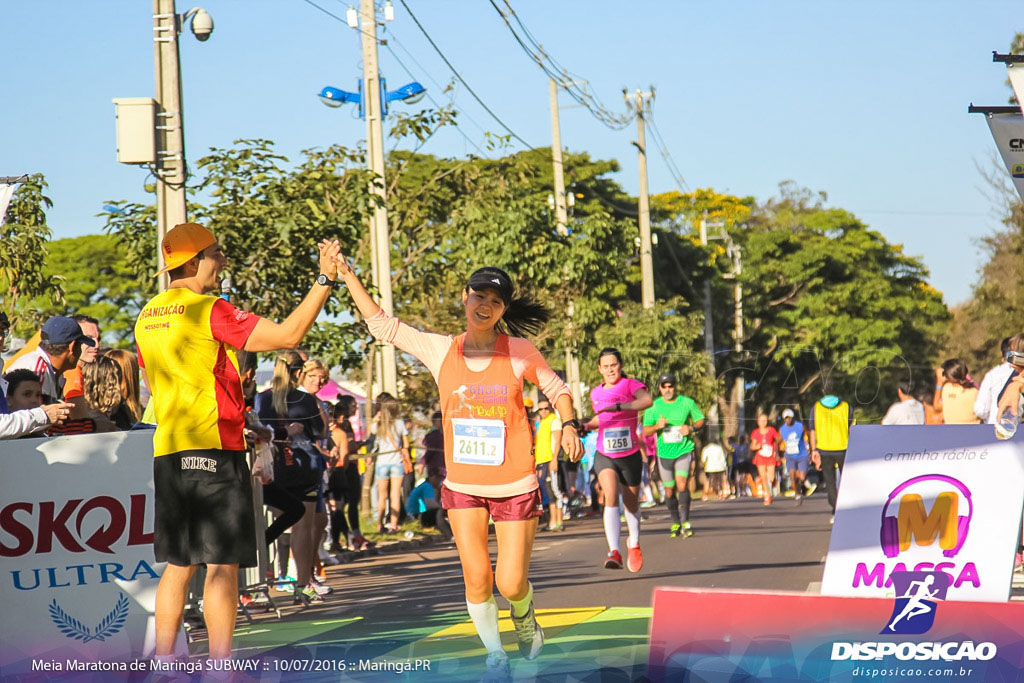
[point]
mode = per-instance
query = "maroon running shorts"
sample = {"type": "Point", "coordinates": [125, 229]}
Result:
{"type": "Point", "coordinates": [509, 509]}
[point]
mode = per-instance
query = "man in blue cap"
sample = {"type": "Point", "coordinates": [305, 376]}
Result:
{"type": "Point", "coordinates": [60, 346]}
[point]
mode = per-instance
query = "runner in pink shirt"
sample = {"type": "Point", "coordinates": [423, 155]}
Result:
{"type": "Point", "coordinates": [618, 463]}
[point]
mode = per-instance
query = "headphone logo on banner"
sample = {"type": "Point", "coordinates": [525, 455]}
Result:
{"type": "Point", "coordinates": [917, 594]}
{"type": "Point", "coordinates": [905, 518]}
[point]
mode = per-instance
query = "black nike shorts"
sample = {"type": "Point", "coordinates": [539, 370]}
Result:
{"type": "Point", "coordinates": [204, 509]}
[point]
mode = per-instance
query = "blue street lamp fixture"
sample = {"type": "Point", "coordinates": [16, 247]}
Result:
{"type": "Point", "coordinates": [409, 93]}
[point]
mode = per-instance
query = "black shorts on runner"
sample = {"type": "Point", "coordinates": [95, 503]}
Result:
{"type": "Point", "coordinates": [204, 509]}
{"type": "Point", "coordinates": [629, 468]}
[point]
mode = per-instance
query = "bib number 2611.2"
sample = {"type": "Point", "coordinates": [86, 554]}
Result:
{"type": "Point", "coordinates": [478, 442]}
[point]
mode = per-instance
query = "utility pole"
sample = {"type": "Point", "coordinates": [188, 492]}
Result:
{"type": "Point", "coordinates": [709, 342]}
{"type": "Point", "coordinates": [572, 370]}
{"type": "Point", "coordinates": [561, 212]}
{"type": "Point", "coordinates": [380, 242]}
{"type": "Point", "coordinates": [739, 384]}
{"type": "Point", "coordinates": [170, 137]}
{"type": "Point", "coordinates": [646, 261]}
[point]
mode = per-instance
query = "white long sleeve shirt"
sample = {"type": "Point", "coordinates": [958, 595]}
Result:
{"type": "Point", "coordinates": [986, 406]}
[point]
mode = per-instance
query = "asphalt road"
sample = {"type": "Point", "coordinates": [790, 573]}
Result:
{"type": "Point", "coordinates": [737, 544]}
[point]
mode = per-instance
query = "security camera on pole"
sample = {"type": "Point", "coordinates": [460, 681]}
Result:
{"type": "Point", "coordinates": [151, 131]}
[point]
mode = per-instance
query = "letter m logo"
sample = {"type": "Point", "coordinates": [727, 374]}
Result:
{"type": "Point", "coordinates": [924, 527]}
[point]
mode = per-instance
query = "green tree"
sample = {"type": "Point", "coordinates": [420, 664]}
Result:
{"type": "Point", "coordinates": [824, 299]}
{"type": "Point", "coordinates": [97, 282]}
{"type": "Point", "coordinates": [24, 237]}
{"type": "Point", "coordinates": [834, 306]}
{"type": "Point", "coordinates": [653, 341]}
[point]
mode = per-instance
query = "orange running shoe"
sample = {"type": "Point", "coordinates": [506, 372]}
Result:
{"type": "Point", "coordinates": [634, 559]}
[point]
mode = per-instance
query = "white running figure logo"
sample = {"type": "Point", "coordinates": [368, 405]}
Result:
{"type": "Point", "coordinates": [461, 393]}
{"type": "Point", "coordinates": [917, 591]}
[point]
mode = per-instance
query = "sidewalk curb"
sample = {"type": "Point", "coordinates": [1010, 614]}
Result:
{"type": "Point", "coordinates": [391, 547]}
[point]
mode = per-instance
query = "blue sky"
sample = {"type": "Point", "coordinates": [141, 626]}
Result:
{"type": "Point", "coordinates": [865, 100]}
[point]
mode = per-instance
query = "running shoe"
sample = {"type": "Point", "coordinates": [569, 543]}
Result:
{"type": "Point", "coordinates": [306, 596]}
{"type": "Point", "coordinates": [687, 530]}
{"type": "Point", "coordinates": [811, 488]}
{"type": "Point", "coordinates": [614, 560]}
{"type": "Point", "coordinates": [768, 501]}
{"type": "Point", "coordinates": [647, 504]}
{"type": "Point", "coordinates": [799, 500]}
{"type": "Point", "coordinates": [283, 583]}
{"type": "Point", "coordinates": [675, 531]}
{"type": "Point", "coordinates": [789, 493]}
{"type": "Point", "coordinates": [529, 634]}
{"type": "Point", "coordinates": [319, 586]}
{"type": "Point", "coordinates": [634, 559]}
{"type": "Point", "coordinates": [498, 669]}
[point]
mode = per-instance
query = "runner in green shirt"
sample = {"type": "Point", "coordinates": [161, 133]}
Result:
{"type": "Point", "coordinates": [674, 418]}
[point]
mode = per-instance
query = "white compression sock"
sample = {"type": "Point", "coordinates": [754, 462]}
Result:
{"type": "Point", "coordinates": [633, 524]}
{"type": "Point", "coordinates": [521, 607]}
{"type": "Point", "coordinates": [485, 619]}
{"type": "Point", "coordinates": [612, 527]}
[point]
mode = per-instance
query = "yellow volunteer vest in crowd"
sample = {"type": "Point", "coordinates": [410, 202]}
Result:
{"type": "Point", "coordinates": [542, 446]}
{"type": "Point", "coordinates": [832, 426]}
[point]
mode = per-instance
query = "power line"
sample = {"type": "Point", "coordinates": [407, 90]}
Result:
{"type": "Point", "coordinates": [597, 194]}
{"type": "Point", "coordinates": [659, 142]}
{"type": "Point", "coordinates": [435, 102]}
{"type": "Point", "coordinates": [573, 84]}
{"type": "Point", "coordinates": [394, 38]}
{"type": "Point", "coordinates": [461, 79]}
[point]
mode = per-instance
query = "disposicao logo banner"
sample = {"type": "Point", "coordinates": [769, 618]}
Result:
{"type": "Point", "coordinates": [763, 636]}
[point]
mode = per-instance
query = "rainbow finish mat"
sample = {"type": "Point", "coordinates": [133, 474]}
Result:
{"type": "Point", "coordinates": [704, 635]}
{"type": "Point", "coordinates": [581, 644]}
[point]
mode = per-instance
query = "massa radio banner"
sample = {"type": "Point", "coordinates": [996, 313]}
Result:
{"type": "Point", "coordinates": [943, 499]}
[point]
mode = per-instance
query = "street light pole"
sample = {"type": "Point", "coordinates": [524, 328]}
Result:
{"type": "Point", "coordinates": [646, 260]}
{"type": "Point", "coordinates": [170, 137]}
{"type": "Point", "coordinates": [380, 241]}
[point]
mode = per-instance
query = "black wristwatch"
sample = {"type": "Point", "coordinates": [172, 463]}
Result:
{"type": "Point", "coordinates": [574, 423]}
{"type": "Point", "coordinates": [322, 279]}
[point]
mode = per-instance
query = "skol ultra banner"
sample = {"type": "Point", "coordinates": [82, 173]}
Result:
{"type": "Point", "coordinates": [1008, 133]}
{"type": "Point", "coordinates": [77, 575]}
{"type": "Point", "coordinates": [704, 635]}
{"type": "Point", "coordinates": [927, 498]}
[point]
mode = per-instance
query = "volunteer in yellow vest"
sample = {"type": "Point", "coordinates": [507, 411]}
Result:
{"type": "Point", "coordinates": [545, 451]}
{"type": "Point", "coordinates": [186, 341]}
{"type": "Point", "coordinates": [830, 421]}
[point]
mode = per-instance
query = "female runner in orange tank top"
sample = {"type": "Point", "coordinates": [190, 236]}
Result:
{"type": "Point", "coordinates": [488, 455]}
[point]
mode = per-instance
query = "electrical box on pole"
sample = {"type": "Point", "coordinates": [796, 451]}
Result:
{"type": "Point", "coordinates": [136, 142]}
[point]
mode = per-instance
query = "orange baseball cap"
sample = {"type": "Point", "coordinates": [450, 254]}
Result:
{"type": "Point", "coordinates": [182, 242]}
